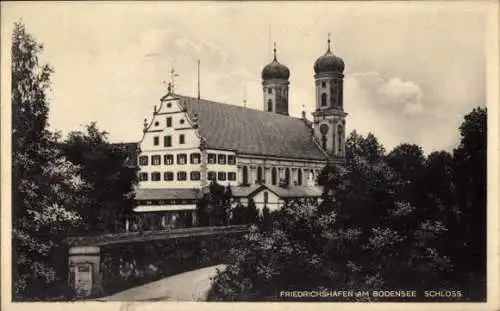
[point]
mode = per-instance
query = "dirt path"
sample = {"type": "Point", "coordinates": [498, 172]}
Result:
{"type": "Point", "coordinates": [188, 286]}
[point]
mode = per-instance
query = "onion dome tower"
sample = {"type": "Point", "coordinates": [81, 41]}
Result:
{"type": "Point", "coordinates": [329, 117]}
{"type": "Point", "coordinates": [275, 84]}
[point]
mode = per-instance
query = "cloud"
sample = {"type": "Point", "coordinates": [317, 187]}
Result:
{"type": "Point", "coordinates": [394, 110]}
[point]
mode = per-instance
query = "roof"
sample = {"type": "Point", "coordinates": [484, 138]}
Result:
{"type": "Point", "coordinates": [296, 191]}
{"type": "Point", "coordinates": [167, 194]}
{"type": "Point", "coordinates": [251, 131]}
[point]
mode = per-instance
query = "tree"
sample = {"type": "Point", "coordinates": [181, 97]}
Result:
{"type": "Point", "coordinates": [369, 147]}
{"type": "Point", "coordinates": [47, 190]}
{"type": "Point", "coordinates": [367, 239]}
{"type": "Point", "coordinates": [470, 162]}
{"type": "Point", "coordinates": [104, 167]}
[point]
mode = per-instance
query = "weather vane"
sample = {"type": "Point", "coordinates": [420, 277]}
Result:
{"type": "Point", "coordinates": [173, 74]}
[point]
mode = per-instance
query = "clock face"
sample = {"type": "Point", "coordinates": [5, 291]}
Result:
{"type": "Point", "coordinates": [323, 129]}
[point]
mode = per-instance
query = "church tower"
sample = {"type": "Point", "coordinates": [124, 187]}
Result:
{"type": "Point", "coordinates": [275, 86]}
{"type": "Point", "coordinates": [329, 116]}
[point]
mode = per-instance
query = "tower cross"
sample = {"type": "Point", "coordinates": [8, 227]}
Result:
{"type": "Point", "coordinates": [274, 50]}
{"type": "Point", "coordinates": [329, 50]}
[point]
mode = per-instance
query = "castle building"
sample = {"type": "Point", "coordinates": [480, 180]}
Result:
{"type": "Point", "coordinates": [265, 154]}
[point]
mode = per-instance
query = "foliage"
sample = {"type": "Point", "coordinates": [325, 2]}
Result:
{"type": "Point", "coordinates": [47, 189]}
{"type": "Point", "coordinates": [390, 216]}
{"type": "Point", "coordinates": [215, 206]}
{"type": "Point", "coordinates": [105, 169]}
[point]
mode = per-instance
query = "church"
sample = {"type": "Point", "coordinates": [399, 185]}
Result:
{"type": "Point", "coordinates": [265, 155]}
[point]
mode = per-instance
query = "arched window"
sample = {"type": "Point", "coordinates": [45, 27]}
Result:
{"type": "Point", "coordinates": [266, 197]}
{"type": "Point", "coordinates": [299, 177]}
{"type": "Point", "coordinates": [323, 100]}
{"type": "Point", "coordinates": [245, 175]}
{"type": "Point", "coordinates": [274, 177]}
{"type": "Point", "coordinates": [339, 137]}
{"type": "Point", "coordinates": [260, 178]}
{"type": "Point", "coordinates": [270, 105]}
{"type": "Point", "coordinates": [287, 175]}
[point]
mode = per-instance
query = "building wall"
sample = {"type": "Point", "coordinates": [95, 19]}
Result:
{"type": "Point", "coordinates": [169, 120]}
{"type": "Point", "coordinates": [273, 202]}
{"type": "Point", "coordinates": [309, 169]}
{"type": "Point", "coordinates": [224, 168]}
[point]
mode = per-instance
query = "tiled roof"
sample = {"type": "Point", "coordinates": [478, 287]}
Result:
{"type": "Point", "coordinates": [167, 194]}
{"type": "Point", "coordinates": [251, 131]}
{"type": "Point", "coordinates": [296, 191]}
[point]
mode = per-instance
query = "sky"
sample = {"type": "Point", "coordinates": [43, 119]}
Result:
{"type": "Point", "coordinates": [413, 70]}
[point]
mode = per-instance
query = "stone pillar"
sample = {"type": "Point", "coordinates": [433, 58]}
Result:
{"type": "Point", "coordinates": [84, 270]}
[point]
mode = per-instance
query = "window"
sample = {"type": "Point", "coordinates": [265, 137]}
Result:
{"type": "Point", "coordinates": [181, 175]}
{"type": "Point", "coordinates": [181, 121]}
{"type": "Point", "coordinates": [245, 175]}
{"type": "Point", "coordinates": [287, 175]}
{"type": "Point", "coordinates": [168, 159]}
{"type": "Point", "coordinates": [143, 176]}
{"type": "Point", "coordinates": [323, 84]}
{"type": "Point", "coordinates": [169, 121]}
{"type": "Point", "coordinates": [299, 177]}
{"type": "Point", "coordinates": [195, 158]}
{"type": "Point", "coordinates": [211, 176]}
{"type": "Point", "coordinates": [182, 139]}
{"type": "Point", "coordinates": [157, 123]}
{"type": "Point", "coordinates": [155, 176]}
{"type": "Point", "coordinates": [231, 176]}
{"type": "Point", "coordinates": [269, 90]}
{"type": "Point", "coordinates": [231, 159]}
{"type": "Point", "coordinates": [266, 197]}
{"type": "Point", "coordinates": [259, 175]}
{"type": "Point", "coordinates": [323, 99]}
{"type": "Point", "coordinates": [270, 105]}
{"type": "Point", "coordinates": [274, 176]}
{"type": "Point", "coordinates": [339, 134]}
{"type": "Point", "coordinates": [167, 141]}
{"type": "Point", "coordinates": [211, 158]}
{"type": "Point", "coordinates": [181, 158]}
{"type": "Point", "coordinates": [169, 105]}
{"type": "Point", "coordinates": [143, 160]}
{"type": "Point", "coordinates": [195, 176]}
{"type": "Point", "coordinates": [155, 160]}
{"type": "Point", "coordinates": [168, 176]}
{"type": "Point", "coordinates": [156, 140]}
{"type": "Point", "coordinates": [222, 159]}
{"type": "Point", "coordinates": [221, 176]}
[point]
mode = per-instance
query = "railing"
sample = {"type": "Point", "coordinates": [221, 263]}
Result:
{"type": "Point", "coordinates": [129, 237]}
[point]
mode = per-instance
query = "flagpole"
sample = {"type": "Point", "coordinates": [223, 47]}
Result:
{"type": "Point", "coordinates": [198, 80]}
